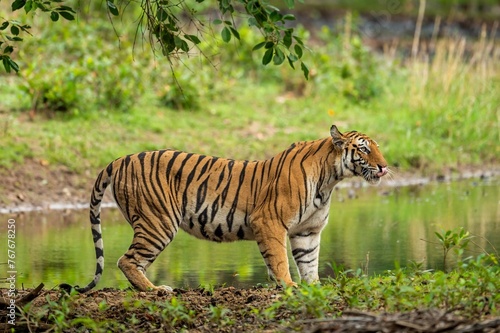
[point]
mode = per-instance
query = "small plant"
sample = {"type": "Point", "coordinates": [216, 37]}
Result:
{"type": "Point", "coordinates": [175, 313]}
{"type": "Point", "coordinates": [453, 238]}
{"type": "Point", "coordinates": [309, 300]}
{"type": "Point", "coordinates": [219, 315]}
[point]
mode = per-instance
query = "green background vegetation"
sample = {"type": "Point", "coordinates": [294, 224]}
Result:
{"type": "Point", "coordinates": [84, 96]}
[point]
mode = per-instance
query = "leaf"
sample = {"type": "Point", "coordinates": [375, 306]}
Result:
{"type": "Point", "coordinates": [266, 59]}
{"type": "Point", "coordinates": [42, 6]}
{"type": "Point", "coordinates": [290, 61]}
{"type": "Point", "coordinates": [289, 17]}
{"type": "Point", "coordinates": [8, 49]}
{"type": "Point", "coordinates": [14, 39]}
{"type": "Point", "coordinates": [226, 34]}
{"type": "Point", "coordinates": [259, 46]}
{"type": "Point", "coordinates": [161, 14]}
{"type": "Point", "coordinates": [287, 39]}
{"type": "Point", "coordinates": [114, 10]}
{"type": "Point", "coordinates": [67, 16]}
{"type": "Point", "coordinates": [167, 41]}
{"type": "Point", "coordinates": [4, 25]}
{"type": "Point", "coordinates": [290, 3]}
{"type": "Point", "coordinates": [29, 6]}
{"type": "Point", "coordinates": [216, 22]}
{"type": "Point", "coordinates": [13, 64]}
{"type": "Point", "coordinates": [305, 70]}
{"type": "Point", "coordinates": [66, 8]}
{"type": "Point", "coordinates": [298, 40]}
{"type": "Point", "coordinates": [54, 16]}
{"type": "Point", "coordinates": [298, 50]}
{"type": "Point", "coordinates": [14, 30]}
{"type": "Point", "coordinates": [18, 4]}
{"type": "Point", "coordinates": [235, 33]}
{"type": "Point", "coordinates": [181, 44]}
{"type": "Point", "coordinates": [279, 57]}
{"type": "Point", "coordinates": [193, 38]}
{"type": "Point", "coordinates": [271, 8]}
{"type": "Point", "coordinates": [252, 22]}
{"type": "Point", "coordinates": [292, 57]}
{"type": "Point", "coordinates": [6, 64]}
{"type": "Point", "coordinates": [275, 16]}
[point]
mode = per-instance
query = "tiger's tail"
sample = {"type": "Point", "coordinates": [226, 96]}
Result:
{"type": "Point", "coordinates": [102, 181]}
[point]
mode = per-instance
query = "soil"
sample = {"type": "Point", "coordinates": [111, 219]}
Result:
{"type": "Point", "coordinates": [35, 185]}
{"type": "Point", "coordinates": [245, 314]}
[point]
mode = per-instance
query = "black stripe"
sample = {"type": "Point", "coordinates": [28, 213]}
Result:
{"type": "Point", "coordinates": [218, 231]}
{"type": "Point", "coordinates": [225, 191]}
{"type": "Point", "coordinates": [215, 208]}
{"type": "Point", "coordinates": [241, 233]}
{"type": "Point", "coordinates": [230, 216]}
{"type": "Point", "coordinates": [171, 163]}
{"type": "Point", "coordinates": [299, 253]}
{"type": "Point", "coordinates": [201, 194]}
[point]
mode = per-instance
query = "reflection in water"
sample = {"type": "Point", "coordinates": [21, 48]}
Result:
{"type": "Point", "coordinates": [373, 229]}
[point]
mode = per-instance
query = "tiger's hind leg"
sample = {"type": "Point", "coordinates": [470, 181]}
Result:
{"type": "Point", "coordinates": [145, 248]}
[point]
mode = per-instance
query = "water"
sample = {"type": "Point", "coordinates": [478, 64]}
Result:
{"type": "Point", "coordinates": [371, 228]}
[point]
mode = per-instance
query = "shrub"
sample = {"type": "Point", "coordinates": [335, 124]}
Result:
{"type": "Point", "coordinates": [73, 67]}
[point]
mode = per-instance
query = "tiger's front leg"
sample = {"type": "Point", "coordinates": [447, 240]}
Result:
{"type": "Point", "coordinates": [305, 251]}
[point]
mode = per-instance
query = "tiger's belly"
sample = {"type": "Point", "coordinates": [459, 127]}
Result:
{"type": "Point", "coordinates": [218, 228]}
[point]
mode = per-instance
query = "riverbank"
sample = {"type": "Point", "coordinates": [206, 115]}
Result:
{"type": "Point", "coordinates": [434, 115]}
{"type": "Point", "coordinates": [396, 301]}
{"type": "Point", "coordinates": [33, 186]}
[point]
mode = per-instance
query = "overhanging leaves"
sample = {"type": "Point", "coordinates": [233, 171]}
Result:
{"type": "Point", "coordinates": [174, 36]}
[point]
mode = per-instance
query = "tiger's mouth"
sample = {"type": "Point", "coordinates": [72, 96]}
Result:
{"type": "Point", "coordinates": [373, 176]}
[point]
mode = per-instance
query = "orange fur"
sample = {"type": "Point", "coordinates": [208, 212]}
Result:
{"type": "Point", "coordinates": [222, 200]}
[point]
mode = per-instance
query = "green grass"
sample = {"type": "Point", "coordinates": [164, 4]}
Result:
{"type": "Point", "coordinates": [433, 112]}
{"type": "Point", "coordinates": [469, 292]}
{"type": "Point", "coordinates": [427, 129]}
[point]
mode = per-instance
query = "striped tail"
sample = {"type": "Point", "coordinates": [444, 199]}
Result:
{"type": "Point", "coordinates": [102, 181]}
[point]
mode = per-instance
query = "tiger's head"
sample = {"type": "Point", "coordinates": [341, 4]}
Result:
{"type": "Point", "coordinates": [360, 155]}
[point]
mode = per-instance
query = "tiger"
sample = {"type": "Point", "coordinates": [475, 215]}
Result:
{"type": "Point", "coordinates": [224, 200]}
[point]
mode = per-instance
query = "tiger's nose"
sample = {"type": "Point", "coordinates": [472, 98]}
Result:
{"type": "Point", "coordinates": [382, 171]}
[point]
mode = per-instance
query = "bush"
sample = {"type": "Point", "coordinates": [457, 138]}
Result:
{"type": "Point", "coordinates": [346, 67]}
{"type": "Point", "coordinates": [73, 67]}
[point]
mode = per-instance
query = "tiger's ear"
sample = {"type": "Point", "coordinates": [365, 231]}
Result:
{"type": "Point", "coordinates": [338, 138]}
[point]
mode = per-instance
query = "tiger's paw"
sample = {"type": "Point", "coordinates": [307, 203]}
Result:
{"type": "Point", "coordinates": [163, 290]}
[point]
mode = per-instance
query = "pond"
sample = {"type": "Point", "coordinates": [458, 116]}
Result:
{"type": "Point", "coordinates": [370, 228]}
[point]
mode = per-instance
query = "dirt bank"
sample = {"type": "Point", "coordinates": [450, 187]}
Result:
{"type": "Point", "coordinates": [225, 309]}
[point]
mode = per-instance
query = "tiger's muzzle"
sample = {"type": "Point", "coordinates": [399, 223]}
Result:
{"type": "Point", "coordinates": [382, 171]}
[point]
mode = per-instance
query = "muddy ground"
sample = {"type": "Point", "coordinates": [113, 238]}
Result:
{"type": "Point", "coordinates": [245, 313]}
